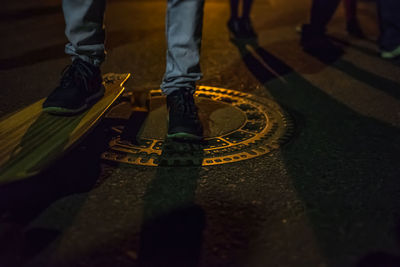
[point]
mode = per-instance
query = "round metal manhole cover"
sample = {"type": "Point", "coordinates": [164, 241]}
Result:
{"type": "Point", "coordinates": [237, 126]}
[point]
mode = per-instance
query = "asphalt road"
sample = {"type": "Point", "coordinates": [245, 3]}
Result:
{"type": "Point", "coordinates": [331, 197]}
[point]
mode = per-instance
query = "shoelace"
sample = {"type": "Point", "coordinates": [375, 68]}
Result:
{"type": "Point", "coordinates": [184, 103]}
{"type": "Point", "coordinates": [76, 72]}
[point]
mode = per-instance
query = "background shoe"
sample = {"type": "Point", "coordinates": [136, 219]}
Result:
{"type": "Point", "coordinates": [241, 28]}
{"type": "Point", "coordinates": [80, 86]}
{"type": "Point", "coordinates": [391, 54]}
{"type": "Point", "coordinates": [234, 28]}
{"type": "Point", "coordinates": [183, 119]}
{"type": "Point", "coordinates": [247, 28]}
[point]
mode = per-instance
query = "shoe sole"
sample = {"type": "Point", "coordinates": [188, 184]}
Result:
{"type": "Point", "coordinates": [70, 112]}
{"type": "Point", "coordinates": [185, 136]}
{"type": "Point", "coordinates": [391, 54]}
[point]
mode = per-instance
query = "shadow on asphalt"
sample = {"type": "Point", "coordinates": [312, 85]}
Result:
{"type": "Point", "coordinates": [173, 224]}
{"type": "Point", "coordinates": [56, 51]}
{"type": "Point", "coordinates": [343, 165]}
{"type": "Point", "coordinates": [23, 201]}
{"type": "Point", "coordinates": [373, 80]}
{"type": "Point", "coordinates": [32, 57]}
{"type": "Point", "coordinates": [382, 258]}
{"type": "Point", "coordinates": [28, 13]}
{"type": "Point", "coordinates": [333, 59]}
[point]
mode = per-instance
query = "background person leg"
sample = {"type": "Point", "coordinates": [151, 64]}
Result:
{"type": "Point", "coordinates": [247, 4]}
{"type": "Point", "coordinates": [350, 9]}
{"type": "Point", "coordinates": [233, 23]}
{"type": "Point", "coordinates": [234, 5]}
{"type": "Point", "coordinates": [322, 12]}
{"type": "Point", "coordinates": [390, 27]}
{"type": "Point", "coordinates": [352, 24]}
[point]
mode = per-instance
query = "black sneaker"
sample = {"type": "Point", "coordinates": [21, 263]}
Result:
{"type": "Point", "coordinates": [184, 121]}
{"type": "Point", "coordinates": [353, 28]}
{"type": "Point", "coordinates": [235, 29]}
{"type": "Point", "coordinates": [247, 29]}
{"type": "Point", "coordinates": [313, 39]}
{"type": "Point", "coordinates": [241, 28]}
{"type": "Point", "coordinates": [80, 86]}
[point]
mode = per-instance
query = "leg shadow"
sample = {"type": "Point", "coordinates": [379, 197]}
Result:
{"type": "Point", "coordinates": [381, 258]}
{"type": "Point", "coordinates": [343, 165]}
{"type": "Point", "coordinates": [373, 80]}
{"type": "Point", "coordinates": [333, 59]}
{"type": "Point", "coordinates": [56, 51]}
{"type": "Point", "coordinates": [172, 223]}
{"type": "Point", "coordinates": [28, 13]}
{"type": "Point", "coordinates": [23, 201]}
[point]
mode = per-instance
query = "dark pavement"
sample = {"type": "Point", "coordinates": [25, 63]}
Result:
{"type": "Point", "coordinates": [331, 197]}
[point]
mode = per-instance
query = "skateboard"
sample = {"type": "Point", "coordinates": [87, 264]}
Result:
{"type": "Point", "coordinates": [31, 140]}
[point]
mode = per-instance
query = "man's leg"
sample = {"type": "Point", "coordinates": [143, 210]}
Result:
{"type": "Point", "coordinates": [184, 23]}
{"type": "Point", "coordinates": [390, 26]}
{"type": "Point", "coordinates": [81, 83]}
{"type": "Point", "coordinates": [85, 29]}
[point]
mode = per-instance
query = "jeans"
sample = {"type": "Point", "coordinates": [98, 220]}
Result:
{"type": "Point", "coordinates": [184, 20]}
{"type": "Point", "coordinates": [389, 18]}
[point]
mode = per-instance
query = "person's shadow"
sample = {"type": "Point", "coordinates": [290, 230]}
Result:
{"type": "Point", "coordinates": [173, 224]}
{"type": "Point", "coordinates": [21, 202]}
{"type": "Point", "coordinates": [382, 258]}
{"type": "Point", "coordinates": [344, 165]}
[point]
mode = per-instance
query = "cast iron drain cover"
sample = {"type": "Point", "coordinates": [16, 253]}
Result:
{"type": "Point", "coordinates": [237, 126]}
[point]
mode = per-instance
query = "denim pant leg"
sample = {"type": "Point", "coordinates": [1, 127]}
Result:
{"type": "Point", "coordinates": [85, 30]}
{"type": "Point", "coordinates": [389, 16]}
{"type": "Point", "coordinates": [184, 23]}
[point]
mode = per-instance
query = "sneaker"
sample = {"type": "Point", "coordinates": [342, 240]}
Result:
{"type": "Point", "coordinates": [234, 28]}
{"type": "Point", "coordinates": [354, 29]}
{"type": "Point", "coordinates": [80, 86]}
{"type": "Point", "coordinates": [312, 39]}
{"type": "Point", "coordinates": [184, 121]}
{"type": "Point", "coordinates": [241, 28]}
{"type": "Point", "coordinates": [247, 28]}
{"type": "Point", "coordinates": [391, 54]}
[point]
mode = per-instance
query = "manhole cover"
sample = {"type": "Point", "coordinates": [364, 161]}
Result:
{"type": "Point", "coordinates": [237, 126]}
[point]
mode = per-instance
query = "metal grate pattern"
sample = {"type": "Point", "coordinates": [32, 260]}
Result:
{"type": "Point", "coordinates": [260, 126]}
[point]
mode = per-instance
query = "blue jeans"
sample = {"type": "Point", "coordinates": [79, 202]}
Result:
{"type": "Point", "coordinates": [184, 20]}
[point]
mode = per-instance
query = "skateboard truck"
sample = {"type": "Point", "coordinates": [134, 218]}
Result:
{"type": "Point", "coordinates": [132, 113]}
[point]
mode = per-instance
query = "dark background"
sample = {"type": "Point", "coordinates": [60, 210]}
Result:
{"type": "Point", "coordinates": [328, 198]}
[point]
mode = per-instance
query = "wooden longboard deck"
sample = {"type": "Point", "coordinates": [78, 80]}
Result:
{"type": "Point", "coordinates": [30, 140]}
